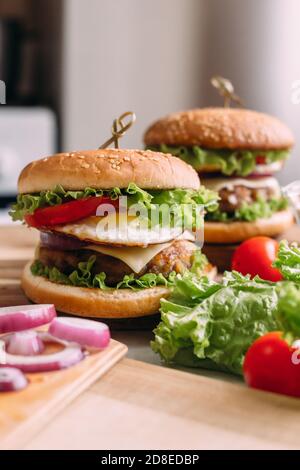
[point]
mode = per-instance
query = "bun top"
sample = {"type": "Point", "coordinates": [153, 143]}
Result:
{"type": "Point", "coordinates": [107, 168]}
{"type": "Point", "coordinates": [221, 128]}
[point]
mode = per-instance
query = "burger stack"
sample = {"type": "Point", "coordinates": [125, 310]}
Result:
{"type": "Point", "coordinates": [236, 152]}
{"type": "Point", "coordinates": [98, 264]}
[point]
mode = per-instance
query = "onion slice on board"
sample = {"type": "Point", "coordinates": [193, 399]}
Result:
{"type": "Point", "coordinates": [69, 356]}
{"type": "Point", "coordinates": [85, 332]}
{"type": "Point", "coordinates": [24, 343]}
{"type": "Point", "coordinates": [12, 379]}
{"type": "Point", "coordinates": [25, 317]}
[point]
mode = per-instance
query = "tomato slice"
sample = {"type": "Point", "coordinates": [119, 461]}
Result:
{"type": "Point", "coordinates": [67, 212]}
{"type": "Point", "coordinates": [255, 256]}
{"type": "Point", "coordinates": [261, 160]}
{"type": "Point", "coordinates": [269, 365]}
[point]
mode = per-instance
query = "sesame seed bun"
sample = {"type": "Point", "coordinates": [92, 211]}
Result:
{"type": "Point", "coordinates": [107, 168]}
{"type": "Point", "coordinates": [236, 232]}
{"type": "Point", "coordinates": [97, 303]}
{"type": "Point", "coordinates": [220, 128]}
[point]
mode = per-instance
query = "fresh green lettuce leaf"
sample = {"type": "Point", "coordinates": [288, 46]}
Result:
{"type": "Point", "coordinates": [238, 162]}
{"type": "Point", "coordinates": [182, 202]}
{"type": "Point", "coordinates": [215, 321]}
{"type": "Point", "coordinates": [83, 276]}
{"type": "Point", "coordinates": [259, 209]}
{"type": "Point", "coordinates": [288, 261]}
{"type": "Point", "coordinates": [289, 309]}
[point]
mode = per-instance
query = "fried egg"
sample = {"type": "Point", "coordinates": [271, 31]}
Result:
{"type": "Point", "coordinates": [118, 230]}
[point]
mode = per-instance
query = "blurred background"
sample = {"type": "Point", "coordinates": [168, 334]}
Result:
{"type": "Point", "coordinates": [71, 66]}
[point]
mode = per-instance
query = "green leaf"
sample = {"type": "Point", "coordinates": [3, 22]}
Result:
{"type": "Point", "coordinates": [182, 202]}
{"type": "Point", "coordinates": [238, 162]}
{"type": "Point", "coordinates": [288, 261]}
{"type": "Point", "coordinates": [216, 321]}
{"type": "Point", "coordinates": [82, 276]}
{"type": "Point", "coordinates": [259, 209]}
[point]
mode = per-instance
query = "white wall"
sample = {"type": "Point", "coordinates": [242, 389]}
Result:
{"type": "Point", "coordinates": [256, 43]}
{"type": "Point", "coordinates": [140, 55]}
{"type": "Point", "coordinates": [157, 56]}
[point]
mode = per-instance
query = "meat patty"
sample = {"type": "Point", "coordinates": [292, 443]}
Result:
{"type": "Point", "coordinates": [232, 199]}
{"type": "Point", "coordinates": [177, 257]}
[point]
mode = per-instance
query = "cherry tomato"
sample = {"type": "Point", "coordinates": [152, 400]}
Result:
{"type": "Point", "coordinates": [255, 256]}
{"type": "Point", "coordinates": [269, 365]}
{"type": "Point", "coordinates": [261, 160]}
{"type": "Point", "coordinates": [67, 212]}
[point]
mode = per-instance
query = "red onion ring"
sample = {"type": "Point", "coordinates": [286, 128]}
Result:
{"type": "Point", "coordinates": [69, 356]}
{"type": "Point", "coordinates": [24, 343]}
{"type": "Point", "coordinates": [85, 332]}
{"type": "Point", "coordinates": [60, 242]}
{"type": "Point", "coordinates": [12, 379]}
{"type": "Point", "coordinates": [25, 317]}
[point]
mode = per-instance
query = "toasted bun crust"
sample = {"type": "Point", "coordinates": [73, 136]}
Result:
{"type": "Point", "coordinates": [223, 128]}
{"type": "Point", "coordinates": [235, 232]}
{"type": "Point", "coordinates": [108, 168]}
{"type": "Point", "coordinates": [86, 302]}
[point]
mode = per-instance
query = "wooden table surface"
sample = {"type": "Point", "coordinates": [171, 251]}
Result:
{"type": "Point", "coordinates": [142, 406]}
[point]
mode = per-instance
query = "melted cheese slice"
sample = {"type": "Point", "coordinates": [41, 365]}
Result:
{"type": "Point", "coordinates": [136, 257]}
{"type": "Point", "coordinates": [118, 232]}
{"type": "Point", "coordinates": [216, 184]}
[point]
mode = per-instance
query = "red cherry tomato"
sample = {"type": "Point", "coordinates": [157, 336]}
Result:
{"type": "Point", "coordinates": [67, 212]}
{"type": "Point", "coordinates": [255, 257]}
{"type": "Point", "coordinates": [270, 365]}
{"type": "Point", "coordinates": [261, 160]}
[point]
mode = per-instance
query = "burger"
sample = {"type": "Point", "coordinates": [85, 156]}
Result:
{"type": "Point", "coordinates": [236, 152]}
{"type": "Point", "coordinates": [105, 250]}
{"type": "Point", "coordinates": [227, 141]}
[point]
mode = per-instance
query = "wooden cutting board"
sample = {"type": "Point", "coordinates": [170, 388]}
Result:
{"type": "Point", "coordinates": [24, 413]}
{"type": "Point", "coordinates": [142, 406]}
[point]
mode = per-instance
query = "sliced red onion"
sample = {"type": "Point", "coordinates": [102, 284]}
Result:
{"type": "Point", "coordinates": [25, 343]}
{"type": "Point", "coordinates": [85, 332]}
{"type": "Point", "coordinates": [60, 242]}
{"type": "Point", "coordinates": [25, 317]}
{"type": "Point", "coordinates": [69, 356]}
{"type": "Point", "coordinates": [12, 379]}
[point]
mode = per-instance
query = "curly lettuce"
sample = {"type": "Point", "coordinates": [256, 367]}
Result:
{"type": "Point", "coordinates": [183, 202]}
{"type": "Point", "coordinates": [237, 162]}
{"type": "Point", "coordinates": [209, 324]}
{"type": "Point", "coordinates": [260, 209]}
{"type": "Point", "coordinates": [288, 261]}
{"type": "Point", "coordinates": [212, 325]}
{"type": "Point", "coordinates": [83, 275]}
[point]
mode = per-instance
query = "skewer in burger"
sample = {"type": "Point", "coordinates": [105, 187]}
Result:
{"type": "Point", "coordinates": [85, 264]}
{"type": "Point", "coordinates": [236, 152]}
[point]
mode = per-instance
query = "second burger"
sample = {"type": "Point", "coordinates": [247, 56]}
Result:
{"type": "Point", "coordinates": [89, 261]}
{"type": "Point", "coordinates": [236, 152]}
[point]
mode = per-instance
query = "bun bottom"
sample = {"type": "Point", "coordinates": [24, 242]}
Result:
{"type": "Point", "coordinates": [97, 303]}
{"type": "Point", "coordinates": [235, 232]}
